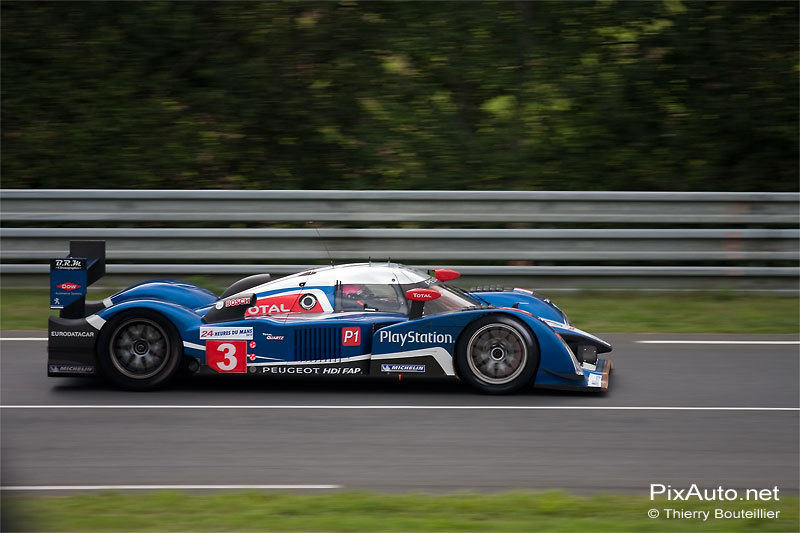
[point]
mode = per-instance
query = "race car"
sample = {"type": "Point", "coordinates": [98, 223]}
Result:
{"type": "Point", "coordinates": [365, 319]}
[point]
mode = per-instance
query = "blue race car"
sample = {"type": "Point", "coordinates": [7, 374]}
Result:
{"type": "Point", "coordinates": [345, 320]}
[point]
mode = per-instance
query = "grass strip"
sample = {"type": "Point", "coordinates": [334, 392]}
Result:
{"type": "Point", "coordinates": [366, 511]}
{"type": "Point", "coordinates": [705, 312]}
{"type": "Point", "coordinates": [702, 312]}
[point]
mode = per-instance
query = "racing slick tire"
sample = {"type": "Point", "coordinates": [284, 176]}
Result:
{"type": "Point", "coordinates": [497, 355]}
{"type": "Point", "coordinates": [139, 350]}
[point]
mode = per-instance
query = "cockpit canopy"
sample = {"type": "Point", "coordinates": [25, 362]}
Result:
{"type": "Point", "coordinates": [360, 287]}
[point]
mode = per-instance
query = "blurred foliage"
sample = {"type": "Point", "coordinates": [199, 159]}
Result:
{"type": "Point", "coordinates": [512, 95]}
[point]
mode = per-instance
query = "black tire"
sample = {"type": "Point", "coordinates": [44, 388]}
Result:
{"type": "Point", "coordinates": [139, 350]}
{"type": "Point", "coordinates": [497, 355]}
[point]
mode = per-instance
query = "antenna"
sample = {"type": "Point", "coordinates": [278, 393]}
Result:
{"type": "Point", "coordinates": [324, 245]}
{"type": "Point", "coordinates": [303, 284]}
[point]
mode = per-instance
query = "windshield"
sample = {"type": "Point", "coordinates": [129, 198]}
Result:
{"type": "Point", "coordinates": [452, 299]}
{"type": "Point", "coordinates": [372, 297]}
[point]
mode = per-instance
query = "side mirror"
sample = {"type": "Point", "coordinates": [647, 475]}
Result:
{"type": "Point", "coordinates": [444, 274]}
{"type": "Point", "coordinates": [418, 297]}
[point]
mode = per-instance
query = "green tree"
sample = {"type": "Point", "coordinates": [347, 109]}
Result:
{"type": "Point", "coordinates": [508, 95]}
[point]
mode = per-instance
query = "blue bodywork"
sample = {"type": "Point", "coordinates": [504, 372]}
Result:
{"type": "Point", "coordinates": [301, 325]}
{"type": "Point", "coordinates": [365, 342]}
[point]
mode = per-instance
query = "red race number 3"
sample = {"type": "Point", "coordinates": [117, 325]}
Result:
{"type": "Point", "coordinates": [227, 356]}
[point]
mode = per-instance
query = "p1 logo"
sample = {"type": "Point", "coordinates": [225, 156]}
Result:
{"type": "Point", "coordinates": [227, 356]}
{"type": "Point", "coordinates": [351, 336]}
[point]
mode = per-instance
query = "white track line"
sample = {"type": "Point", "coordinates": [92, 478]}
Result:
{"type": "Point", "coordinates": [23, 338]}
{"type": "Point", "coordinates": [715, 342]}
{"type": "Point", "coordinates": [411, 407]}
{"type": "Point", "coordinates": [168, 487]}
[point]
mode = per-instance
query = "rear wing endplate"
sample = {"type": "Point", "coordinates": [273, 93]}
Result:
{"type": "Point", "coordinates": [71, 276]}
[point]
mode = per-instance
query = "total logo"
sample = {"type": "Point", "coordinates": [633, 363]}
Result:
{"type": "Point", "coordinates": [424, 295]}
{"type": "Point", "coordinates": [265, 309]}
{"type": "Point", "coordinates": [296, 301]}
{"type": "Point", "coordinates": [68, 286]}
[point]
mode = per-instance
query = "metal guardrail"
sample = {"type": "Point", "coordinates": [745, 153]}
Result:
{"type": "Point", "coordinates": [533, 233]}
{"type": "Point", "coordinates": [415, 244]}
{"type": "Point", "coordinates": [227, 206]}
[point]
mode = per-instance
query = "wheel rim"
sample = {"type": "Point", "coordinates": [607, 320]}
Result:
{"type": "Point", "coordinates": [497, 354]}
{"type": "Point", "coordinates": [139, 348]}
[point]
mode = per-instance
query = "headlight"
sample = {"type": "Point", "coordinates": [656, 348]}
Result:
{"type": "Point", "coordinates": [587, 353]}
{"type": "Point", "coordinates": [563, 314]}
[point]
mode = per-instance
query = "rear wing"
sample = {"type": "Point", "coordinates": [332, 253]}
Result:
{"type": "Point", "coordinates": [71, 276]}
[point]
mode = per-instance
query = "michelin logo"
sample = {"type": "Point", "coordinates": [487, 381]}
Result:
{"type": "Point", "coordinates": [415, 337]}
{"type": "Point", "coordinates": [402, 368]}
{"type": "Point", "coordinates": [71, 369]}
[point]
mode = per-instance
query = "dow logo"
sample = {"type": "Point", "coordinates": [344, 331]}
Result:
{"type": "Point", "coordinates": [68, 286]}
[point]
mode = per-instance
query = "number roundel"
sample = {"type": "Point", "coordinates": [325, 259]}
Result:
{"type": "Point", "coordinates": [308, 301]}
{"type": "Point", "coordinates": [227, 356]}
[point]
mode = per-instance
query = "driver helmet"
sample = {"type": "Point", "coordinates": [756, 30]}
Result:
{"type": "Point", "coordinates": [352, 290]}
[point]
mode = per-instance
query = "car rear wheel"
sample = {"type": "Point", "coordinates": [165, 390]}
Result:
{"type": "Point", "coordinates": [139, 350]}
{"type": "Point", "coordinates": [497, 355]}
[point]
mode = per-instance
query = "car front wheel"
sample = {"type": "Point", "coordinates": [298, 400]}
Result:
{"type": "Point", "coordinates": [497, 355]}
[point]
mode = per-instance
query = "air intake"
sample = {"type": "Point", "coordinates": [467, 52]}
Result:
{"type": "Point", "coordinates": [318, 344]}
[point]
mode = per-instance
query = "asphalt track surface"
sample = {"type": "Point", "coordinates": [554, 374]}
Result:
{"type": "Point", "coordinates": [419, 435]}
